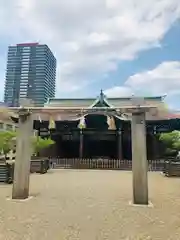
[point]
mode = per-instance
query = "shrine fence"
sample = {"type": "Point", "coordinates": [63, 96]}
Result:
{"type": "Point", "coordinates": [111, 164]}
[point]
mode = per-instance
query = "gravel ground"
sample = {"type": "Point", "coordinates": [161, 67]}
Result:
{"type": "Point", "coordinates": [90, 205]}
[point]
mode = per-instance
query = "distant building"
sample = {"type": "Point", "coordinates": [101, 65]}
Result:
{"type": "Point", "coordinates": [31, 73]}
{"type": "Point", "coordinates": [7, 125]}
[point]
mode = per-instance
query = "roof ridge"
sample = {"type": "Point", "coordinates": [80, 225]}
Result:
{"type": "Point", "coordinates": [93, 98]}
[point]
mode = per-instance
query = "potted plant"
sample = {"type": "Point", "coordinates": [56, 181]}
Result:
{"type": "Point", "coordinates": [7, 143]}
{"type": "Point", "coordinates": [172, 144]}
{"type": "Point", "coordinates": [38, 145]}
{"type": "Point", "coordinates": [7, 139]}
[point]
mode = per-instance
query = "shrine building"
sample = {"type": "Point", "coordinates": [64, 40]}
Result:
{"type": "Point", "coordinates": [102, 133]}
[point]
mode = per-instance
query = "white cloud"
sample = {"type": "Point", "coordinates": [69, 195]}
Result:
{"type": "Point", "coordinates": [119, 91]}
{"type": "Point", "coordinates": [88, 37]}
{"type": "Point", "coordinates": [164, 79]}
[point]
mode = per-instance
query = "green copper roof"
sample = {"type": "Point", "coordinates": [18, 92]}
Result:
{"type": "Point", "coordinates": [101, 100]}
{"type": "Point", "coordinates": [109, 98]}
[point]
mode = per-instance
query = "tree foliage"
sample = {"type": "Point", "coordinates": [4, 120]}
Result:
{"type": "Point", "coordinates": [40, 144]}
{"type": "Point", "coordinates": [6, 141]}
{"type": "Point", "coordinates": [8, 138]}
{"type": "Point", "coordinates": [171, 141]}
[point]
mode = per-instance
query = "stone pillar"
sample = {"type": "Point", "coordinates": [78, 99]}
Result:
{"type": "Point", "coordinates": [119, 146]}
{"type": "Point", "coordinates": [81, 144]}
{"type": "Point", "coordinates": [139, 159]}
{"type": "Point", "coordinates": [23, 156]}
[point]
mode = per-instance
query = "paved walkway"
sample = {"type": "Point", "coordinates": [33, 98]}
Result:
{"type": "Point", "coordinates": [90, 205]}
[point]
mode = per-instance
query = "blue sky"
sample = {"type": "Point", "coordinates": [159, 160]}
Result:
{"type": "Point", "coordinates": [146, 60]}
{"type": "Point", "coordinates": [123, 47]}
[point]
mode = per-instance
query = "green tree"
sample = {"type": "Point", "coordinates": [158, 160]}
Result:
{"type": "Point", "coordinates": [171, 141]}
{"type": "Point", "coordinates": [41, 143]}
{"type": "Point", "coordinates": [7, 139]}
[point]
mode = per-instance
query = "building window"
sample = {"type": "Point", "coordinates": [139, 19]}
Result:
{"type": "Point", "coordinates": [9, 127]}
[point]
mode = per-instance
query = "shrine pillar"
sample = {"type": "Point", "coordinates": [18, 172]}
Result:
{"type": "Point", "coordinates": [81, 143]}
{"type": "Point", "coordinates": [119, 144]}
{"type": "Point", "coordinates": [23, 156]}
{"type": "Point", "coordinates": [139, 159]}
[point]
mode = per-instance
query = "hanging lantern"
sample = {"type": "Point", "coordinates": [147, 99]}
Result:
{"type": "Point", "coordinates": [109, 122]}
{"type": "Point", "coordinates": [113, 124]}
{"type": "Point", "coordinates": [52, 124]}
{"type": "Point", "coordinates": [82, 123]}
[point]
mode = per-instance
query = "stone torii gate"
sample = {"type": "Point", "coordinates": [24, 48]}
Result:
{"type": "Point", "coordinates": [137, 109]}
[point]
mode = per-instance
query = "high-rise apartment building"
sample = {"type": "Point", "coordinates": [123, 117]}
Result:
{"type": "Point", "coordinates": [31, 73]}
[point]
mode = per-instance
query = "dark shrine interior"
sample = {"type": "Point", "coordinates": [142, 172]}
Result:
{"type": "Point", "coordinates": [98, 141]}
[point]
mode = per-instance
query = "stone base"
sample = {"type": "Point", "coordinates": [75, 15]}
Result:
{"type": "Point", "coordinates": [150, 205]}
{"type": "Point", "coordinates": [20, 200]}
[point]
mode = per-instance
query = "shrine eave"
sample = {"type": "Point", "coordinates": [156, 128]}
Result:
{"type": "Point", "coordinates": [124, 109]}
